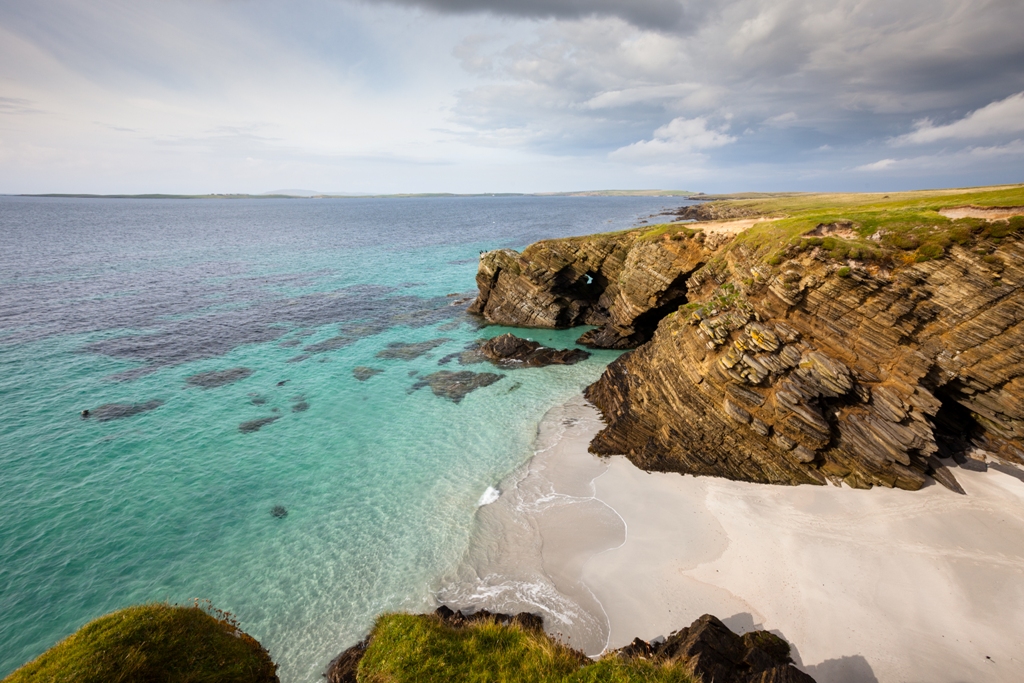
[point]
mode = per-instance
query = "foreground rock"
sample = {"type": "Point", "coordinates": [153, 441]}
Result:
{"type": "Point", "coordinates": [707, 648]}
{"type": "Point", "coordinates": [717, 654]}
{"type": "Point", "coordinates": [156, 642]}
{"type": "Point", "coordinates": [455, 386]}
{"type": "Point", "coordinates": [509, 351]}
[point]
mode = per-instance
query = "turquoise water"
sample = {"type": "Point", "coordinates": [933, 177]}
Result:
{"type": "Point", "coordinates": [119, 301]}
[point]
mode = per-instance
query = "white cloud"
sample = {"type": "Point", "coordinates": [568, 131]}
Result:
{"type": "Point", "coordinates": [997, 118]}
{"type": "Point", "coordinates": [877, 166]}
{"type": "Point", "coordinates": [679, 138]}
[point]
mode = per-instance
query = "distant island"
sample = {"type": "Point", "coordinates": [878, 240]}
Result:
{"type": "Point", "coordinates": [308, 194]}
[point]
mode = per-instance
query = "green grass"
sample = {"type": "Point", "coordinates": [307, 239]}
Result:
{"type": "Point", "coordinates": [150, 643]}
{"type": "Point", "coordinates": [408, 648]}
{"type": "Point", "coordinates": [901, 227]}
{"type": "Point", "coordinates": [672, 231]}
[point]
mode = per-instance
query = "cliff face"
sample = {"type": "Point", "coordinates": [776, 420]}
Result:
{"type": "Point", "coordinates": [806, 371]}
{"type": "Point", "coordinates": [623, 283]}
{"type": "Point", "coordinates": [809, 376]}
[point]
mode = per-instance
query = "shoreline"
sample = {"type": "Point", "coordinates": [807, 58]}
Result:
{"type": "Point", "coordinates": [880, 585]}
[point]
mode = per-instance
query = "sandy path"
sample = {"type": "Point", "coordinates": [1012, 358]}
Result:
{"type": "Point", "coordinates": [989, 213]}
{"type": "Point", "coordinates": [727, 227]}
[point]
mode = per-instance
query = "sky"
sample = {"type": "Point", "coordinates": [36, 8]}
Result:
{"type": "Point", "coordinates": [474, 96]}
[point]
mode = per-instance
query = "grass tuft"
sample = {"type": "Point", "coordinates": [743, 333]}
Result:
{"type": "Point", "coordinates": [407, 648]}
{"type": "Point", "coordinates": [156, 642]}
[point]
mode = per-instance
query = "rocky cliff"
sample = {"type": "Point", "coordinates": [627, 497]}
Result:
{"type": "Point", "coordinates": [867, 350]}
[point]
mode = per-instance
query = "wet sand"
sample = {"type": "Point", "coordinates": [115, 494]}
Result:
{"type": "Point", "coordinates": [877, 585]}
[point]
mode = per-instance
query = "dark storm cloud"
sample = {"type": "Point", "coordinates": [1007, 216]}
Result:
{"type": "Point", "coordinates": [653, 14]}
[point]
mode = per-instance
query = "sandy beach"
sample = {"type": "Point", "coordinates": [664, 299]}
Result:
{"type": "Point", "coordinates": [881, 585]}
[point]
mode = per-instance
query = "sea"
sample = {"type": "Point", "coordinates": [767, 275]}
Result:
{"type": "Point", "coordinates": [262, 429]}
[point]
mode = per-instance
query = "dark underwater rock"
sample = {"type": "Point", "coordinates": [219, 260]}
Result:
{"type": "Point", "coordinates": [332, 344]}
{"type": "Point", "coordinates": [509, 351]}
{"type": "Point", "coordinates": [255, 425]}
{"type": "Point", "coordinates": [115, 411]}
{"type": "Point", "coordinates": [404, 351]}
{"type": "Point", "coordinates": [363, 373]}
{"type": "Point", "coordinates": [218, 378]}
{"type": "Point", "coordinates": [279, 511]}
{"type": "Point", "coordinates": [299, 407]}
{"type": "Point", "coordinates": [454, 386]}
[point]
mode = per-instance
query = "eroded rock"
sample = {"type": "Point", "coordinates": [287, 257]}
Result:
{"type": "Point", "coordinates": [509, 351]}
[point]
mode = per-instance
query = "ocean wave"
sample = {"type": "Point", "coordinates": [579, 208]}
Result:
{"type": "Point", "coordinates": [489, 496]}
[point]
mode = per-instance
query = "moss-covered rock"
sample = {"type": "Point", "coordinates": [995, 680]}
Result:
{"type": "Point", "coordinates": [154, 643]}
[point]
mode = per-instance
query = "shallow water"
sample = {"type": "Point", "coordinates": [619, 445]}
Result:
{"type": "Point", "coordinates": [120, 302]}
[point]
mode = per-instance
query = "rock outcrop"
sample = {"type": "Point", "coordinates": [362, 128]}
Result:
{"type": "Point", "coordinates": [869, 377]}
{"type": "Point", "coordinates": [509, 351]}
{"type": "Point", "coordinates": [707, 648]}
{"type": "Point", "coordinates": [798, 370]}
{"type": "Point", "coordinates": [712, 651]}
{"type": "Point", "coordinates": [623, 283]}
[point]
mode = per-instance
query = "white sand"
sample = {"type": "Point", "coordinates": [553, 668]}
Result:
{"type": "Point", "coordinates": [989, 213]}
{"type": "Point", "coordinates": [881, 585]}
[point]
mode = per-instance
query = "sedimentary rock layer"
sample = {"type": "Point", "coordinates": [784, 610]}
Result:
{"type": "Point", "coordinates": [866, 376]}
{"type": "Point", "coordinates": [621, 282]}
{"type": "Point", "coordinates": [803, 369]}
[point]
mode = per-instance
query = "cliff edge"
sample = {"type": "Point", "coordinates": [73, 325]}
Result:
{"type": "Point", "coordinates": [865, 339]}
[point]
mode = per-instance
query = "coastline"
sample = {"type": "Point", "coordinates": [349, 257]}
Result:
{"type": "Point", "coordinates": [880, 585]}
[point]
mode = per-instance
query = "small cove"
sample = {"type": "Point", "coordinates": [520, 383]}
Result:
{"type": "Point", "coordinates": [239, 341]}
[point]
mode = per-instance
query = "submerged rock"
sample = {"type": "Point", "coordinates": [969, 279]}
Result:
{"type": "Point", "coordinates": [115, 411]}
{"type": "Point", "coordinates": [279, 511]}
{"type": "Point", "coordinates": [218, 378]}
{"type": "Point", "coordinates": [363, 373]}
{"type": "Point", "coordinates": [255, 425]}
{"type": "Point", "coordinates": [509, 351]}
{"type": "Point", "coordinates": [407, 351]}
{"type": "Point", "coordinates": [456, 385]}
{"type": "Point", "coordinates": [332, 344]}
{"type": "Point", "coordinates": [299, 407]}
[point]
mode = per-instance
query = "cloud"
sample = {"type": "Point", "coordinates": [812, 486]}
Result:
{"type": "Point", "coordinates": [1001, 117]}
{"type": "Point", "coordinates": [877, 166]}
{"type": "Point", "coordinates": [679, 138]}
{"type": "Point", "coordinates": [651, 14]}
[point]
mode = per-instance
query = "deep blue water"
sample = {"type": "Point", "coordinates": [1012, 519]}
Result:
{"type": "Point", "coordinates": [121, 301]}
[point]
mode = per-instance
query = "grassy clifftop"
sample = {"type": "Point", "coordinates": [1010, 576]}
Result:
{"type": "Point", "coordinates": [406, 647]}
{"type": "Point", "coordinates": [902, 227]}
{"type": "Point", "coordinates": [156, 642]}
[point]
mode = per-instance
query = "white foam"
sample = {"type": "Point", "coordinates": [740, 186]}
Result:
{"type": "Point", "coordinates": [490, 495]}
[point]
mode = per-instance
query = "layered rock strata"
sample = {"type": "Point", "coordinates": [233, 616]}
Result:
{"type": "Point", "coordinates": [620, 282]}
{"type": "Point", "coordinates": [805, 371]}
{"type": "Point", "coordinates": [808, 375]}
